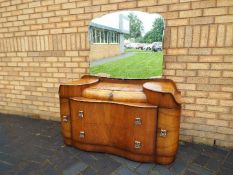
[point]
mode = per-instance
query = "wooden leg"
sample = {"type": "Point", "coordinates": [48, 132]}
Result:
{"type": "Point", "coordinates": [164, 160]}
{"type": "Point", "coordinates": [67, 141]}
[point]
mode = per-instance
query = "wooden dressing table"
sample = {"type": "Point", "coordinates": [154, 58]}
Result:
{"type": "Point", "coordinates": [136, 119]}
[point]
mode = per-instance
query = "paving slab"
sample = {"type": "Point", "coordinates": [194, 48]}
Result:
{"type": "Point", "coordinates": [35, 147]}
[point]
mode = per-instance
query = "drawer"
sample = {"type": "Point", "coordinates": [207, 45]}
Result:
{"type": "Point", "coordinates": [144, 122]}
{"type": "Point", "coordinates": [92, 134]}
{"type": "Point", "coordinates": [97, 113]}
{"type": "Point", "coordinates": [116, 125]}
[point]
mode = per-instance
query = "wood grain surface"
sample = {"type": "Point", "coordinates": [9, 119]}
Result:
{"type": "Point", "coordinates": [122, 117]}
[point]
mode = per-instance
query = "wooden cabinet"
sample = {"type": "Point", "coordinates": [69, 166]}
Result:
{"type": "Point", "coordinates": [121, 117]}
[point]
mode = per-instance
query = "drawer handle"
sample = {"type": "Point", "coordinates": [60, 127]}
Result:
{"type": "Point", "coordinates": [80, 114]}
{"type": "Point", "coordinates": [137, 121]}
{"type": "Point", "coordinates": [137, 144]}
{"type": "Point", "coordinates": [65, 118]}
{"type": "Point", "coordinates": [82, 134]}
{"type": "Point", "coordinates": [163, 133]}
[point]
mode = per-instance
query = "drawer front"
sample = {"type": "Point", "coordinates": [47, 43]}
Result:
{"type": "Point", "coordinates": [116, 125]}
{"type": "Point", "coordinates": [144, 128]}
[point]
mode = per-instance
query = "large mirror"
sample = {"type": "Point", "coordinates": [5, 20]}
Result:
{"type": "Point", "coordinates": [127, 44]}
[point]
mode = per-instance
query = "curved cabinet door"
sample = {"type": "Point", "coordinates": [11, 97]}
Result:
{"type": "Point", "coordinates": [121, 126]}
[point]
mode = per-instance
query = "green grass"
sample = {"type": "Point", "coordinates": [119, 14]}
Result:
{"type": "Point", "coordinates": [141, 65]}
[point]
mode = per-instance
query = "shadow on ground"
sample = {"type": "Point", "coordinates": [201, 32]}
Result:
{"type": "Point", "coordinates": [35, 147]}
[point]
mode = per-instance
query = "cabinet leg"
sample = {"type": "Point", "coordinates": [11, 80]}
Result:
{"type": "Point", "coordinates": [164, 160]}
{"type": "Point", "coordinates": [67, 141]}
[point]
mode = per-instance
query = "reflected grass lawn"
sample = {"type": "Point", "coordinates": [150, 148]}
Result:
{"type": "Point", "coordinates": [140, 65]}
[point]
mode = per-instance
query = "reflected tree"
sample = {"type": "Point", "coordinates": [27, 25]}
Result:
{"type": "Point", "coordinates": [136, 27]}
{"type": "Point", "coordinates": [156, 33]}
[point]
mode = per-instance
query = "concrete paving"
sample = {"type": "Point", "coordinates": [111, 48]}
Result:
{"type": "Point", "coordinates": [35, 147]}
{"type": "Point", "coordinates": [111, 59]}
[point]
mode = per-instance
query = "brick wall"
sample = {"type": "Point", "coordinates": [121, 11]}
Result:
{"type": "Point", "coordinates": [44, 42]}
{"type": "Point", "coordinates": [99, 51]}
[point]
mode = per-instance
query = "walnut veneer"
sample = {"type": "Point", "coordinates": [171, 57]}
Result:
{"type": "Point", "coordinates": [136, 119]}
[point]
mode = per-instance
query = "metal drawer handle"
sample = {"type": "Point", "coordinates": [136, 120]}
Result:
{"type": "Point", "coordinates": [82, 134]}
{"type": "Point", "coordinates": [163, 133]}
{"type": "Point", "coordinates": [137, 121]}
{"type": "Point", "coordinates": [65, 118]}
{"type": "Point", "coordinates": [137, 144]}
{"type": "Point", "coordinates": [80, 114]}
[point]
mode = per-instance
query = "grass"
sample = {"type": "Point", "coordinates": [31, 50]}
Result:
{"type": "Point", "coordinates": [141, 65]}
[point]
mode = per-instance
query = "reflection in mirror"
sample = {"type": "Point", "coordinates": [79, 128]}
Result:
{"type": "Point", "coordinates": [126, 44]}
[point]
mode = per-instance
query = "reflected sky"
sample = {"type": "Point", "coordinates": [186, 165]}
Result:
{"type": "Point", "coordinates": [112, 20]}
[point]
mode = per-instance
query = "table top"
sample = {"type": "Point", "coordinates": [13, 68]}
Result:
{"type": "Point", "coordinates": [126, 90]}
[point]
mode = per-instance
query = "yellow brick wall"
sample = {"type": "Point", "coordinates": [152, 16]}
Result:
{"type": "Point", "coordinates": [44, 42]}
{"type": "Point", "coordinates": [100, 51]}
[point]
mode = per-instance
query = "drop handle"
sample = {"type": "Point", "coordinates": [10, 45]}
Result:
{"type": "Point", "coordinates": [82, 134]}
{"type": "Point", "coordinates": [137, 121]}
{"type": "Point", "coordinates": [80, 114]}
{"type": "Point", "coordinates": [65, 118]}
{"type": "Point", "coordinates": [137, 144]}
{"type": "Point", "coordinates": [163, 133]}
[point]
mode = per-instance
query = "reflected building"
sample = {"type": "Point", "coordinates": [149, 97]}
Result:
{"type": "Point", "coordinates": [107, 41]}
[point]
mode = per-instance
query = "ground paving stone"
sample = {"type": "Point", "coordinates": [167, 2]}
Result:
{"type": "Point", "coordinates": [188, 172]}
{"type": "Point", "coordinates": [76, 168]}
{"type": "Point", "coordinates": [225, 171]}
{"type": "Point", "coordinates": [125, 171]}
{"type": "Point", "coordinates": [31, 168]}
{"type": "Point", "coordinates": [109, 166]}
{"type": "Point", "coordinates": [4, 167]}
{"type": "Point", "coordinates": [125, 162]}
{"type": "Point", "coordinates": [199, 170]}
{"type": "Point", "coordinates": [227, 165]}
{"type": "Point", "coordinates": [49, 169]}
{"type": "Point", "coordinates": [230, 157]}
{"type": "Point", "coordinates": [201, 160]}
{"type": "Point", "coordinates": [88, 158]}
{"type": "Point", "coordinates": [35, 147]}
{"type": "Point", "coordinates": [213, 164]}
{"type": "Point", "coordinates": [162, 170]}
{"type": "Point", "coordinates": [89, 171]}
{"type": "Point", "coordinates": [145, 168]}
{"type": "Point", "coordinates": [178, 166]}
